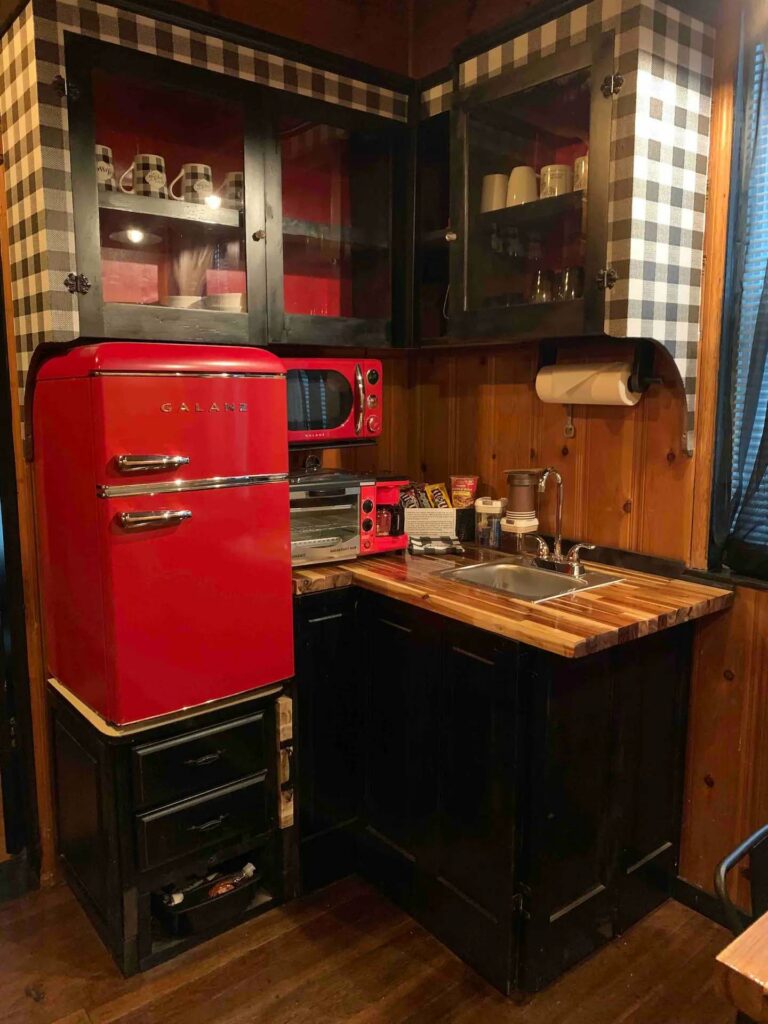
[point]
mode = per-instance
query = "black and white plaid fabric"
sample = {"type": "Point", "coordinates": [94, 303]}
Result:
{"type": "Point", "coordinates": [435, 545]}
{"type": "Point", "coordinates": [196, 183]}
{"type": "Point", "coordinates": [105, 169]}
{"type": "Point", "coordinates": [659, 149]}
{"type": "Point", "coordinates": [436, 99]}
{"type": "Point", "coordinates": [36, 138]}
{"type": "Point", "coordinates": [147, 177]}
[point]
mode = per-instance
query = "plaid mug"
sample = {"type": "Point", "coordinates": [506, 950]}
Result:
{"type": "Point", "coordinates": [148, 176]}
{"type": "Point", "coordinates": [233, 190]}
{"type": "Point", "coordinates": [196, 183]}
{"type": "Point", "coordinates": [105, 170]}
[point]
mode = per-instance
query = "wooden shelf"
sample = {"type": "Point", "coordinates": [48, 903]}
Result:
{"type": "Point", "coordinates": [335, 233]}
{"type": "Point", "coordinates": [527, 214]}
{"type": "Point", "coordinates": [169, 208]}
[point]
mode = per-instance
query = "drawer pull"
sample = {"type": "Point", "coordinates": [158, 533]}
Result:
{"type": "Point", "coordinates": [209, 826]}
{"type": "Point", "coordinates": [205, 760]}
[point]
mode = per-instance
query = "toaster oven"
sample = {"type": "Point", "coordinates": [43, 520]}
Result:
{"type": "Point", "coordinates": [337, 515]}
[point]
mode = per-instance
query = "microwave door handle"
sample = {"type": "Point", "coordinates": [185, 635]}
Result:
{"type": "Point", "coordinates": [360, 396]}
{"type": "Point", "coordinates": [150, 463]}
{"type": "Point", "coordinates": [148, 520]}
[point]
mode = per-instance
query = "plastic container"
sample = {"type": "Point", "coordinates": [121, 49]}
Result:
{"type": "Point", "coordinates": [489, 513]}
{"type": "Point", "coordinates": [200, 912]}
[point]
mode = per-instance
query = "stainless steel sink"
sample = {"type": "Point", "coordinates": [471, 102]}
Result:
{"type": "Point", "coordinates": [526, 582]}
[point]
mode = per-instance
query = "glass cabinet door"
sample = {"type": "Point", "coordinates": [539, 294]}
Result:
{"type": "Point", "coordinates": [336, 261]}
{"type": "Point", "coordinates": [530, 227]}
{"type": "Point", "coordinates": [167, 175]}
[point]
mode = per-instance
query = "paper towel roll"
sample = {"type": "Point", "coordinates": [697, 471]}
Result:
{"type": "Point", "coordinates": [586, 384]}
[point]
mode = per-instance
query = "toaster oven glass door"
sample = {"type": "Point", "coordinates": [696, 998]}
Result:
{"type": "Point", "coordinates": [324, 526]}
{"type": "Point", "coordinates": [318, 399]}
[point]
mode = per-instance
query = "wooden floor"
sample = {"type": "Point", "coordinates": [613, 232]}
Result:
{"type": "Point", "coordinates": [345, 954]}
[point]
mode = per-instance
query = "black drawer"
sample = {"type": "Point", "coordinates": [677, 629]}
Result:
{"type": "Point", "coordinates": [192, 824]}
{"type": "Point", "coordinates": [199, 761]}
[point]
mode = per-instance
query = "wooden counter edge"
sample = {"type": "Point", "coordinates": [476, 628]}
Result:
{"type": "Point", "coordinates": [419, 595]}
{"type": "Point", "coordinates": [742, 970]}
{"type": "Point", "coordinates": [319, 580]}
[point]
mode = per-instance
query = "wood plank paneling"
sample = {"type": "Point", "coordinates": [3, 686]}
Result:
{"type": "Point", "coordinates": [726, 792]}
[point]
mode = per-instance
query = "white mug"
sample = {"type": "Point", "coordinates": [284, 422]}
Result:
{"type": "Point", "coordinates": [494, 192]}
{"type": "Point", "coordinates": [522, 187]}
{"type": "Point", "coordinates": [580, 173]}
{"type": "Point", "coordinates": [556, 180]}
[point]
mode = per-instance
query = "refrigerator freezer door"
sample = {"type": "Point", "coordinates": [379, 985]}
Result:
{"type": "Point", "coordinates": [198, 594]}
{"type": "Point", "coordinates": [186, 427]}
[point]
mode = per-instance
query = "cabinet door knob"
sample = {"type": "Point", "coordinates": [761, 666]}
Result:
{"type": "Point", "coordinates": [451, 236]}
{"type": "Point", "coordinates": [259, 235]}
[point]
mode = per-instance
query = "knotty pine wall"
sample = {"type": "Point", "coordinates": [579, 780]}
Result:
{"type": "Point", "coordinates": [627, 483]}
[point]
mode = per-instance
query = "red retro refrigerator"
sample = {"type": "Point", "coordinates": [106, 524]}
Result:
{"type": "Point", "coordinates": [163, 510]}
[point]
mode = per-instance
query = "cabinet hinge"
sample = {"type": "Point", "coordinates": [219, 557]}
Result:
{"type": "Point", "coordinates": [77, 284]}
{"type": "Point", "coordinates": [606, 278]}
{"type": "Point", "coordinates": [65, 89]}
{"type": "Point", "coordinates": [612, 85]}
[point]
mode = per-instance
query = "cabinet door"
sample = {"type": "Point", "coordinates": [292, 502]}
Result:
{"type": "Point", "coordinates": [167, 180]}
{"type": "Point", "coordinates": [567, 864]}
{"type": "Point", "coordinates": [530, 168]}
{"type": "Point", "coordinates": [403, 668]}
{"type": "Point", "coordinates": [328, 702]}
{"type": "Point", "coordinates": [652, 688]}
{"type": "Point", "coordinates": [335, 251]}
{"type": "Point", "coordinates": [468, 900]}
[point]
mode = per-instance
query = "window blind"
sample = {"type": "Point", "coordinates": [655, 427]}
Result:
{"type": "Point", "coordinates": [750, 380]}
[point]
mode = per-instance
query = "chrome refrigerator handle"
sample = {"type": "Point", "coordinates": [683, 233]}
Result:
{"type": "Point", "coordinates": [160, 517]}
{"type": "Point", "coordinates": [360, 390]}
{"type": "Point", "coordinates": [150, 463]}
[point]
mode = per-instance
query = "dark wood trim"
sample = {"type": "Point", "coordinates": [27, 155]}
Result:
{"type": "Point", "coordinates": [705, 903]}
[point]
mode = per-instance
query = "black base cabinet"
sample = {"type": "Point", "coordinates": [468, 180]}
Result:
{"type": "Point", "coordinates": [524, 807]}
{"type": "Point", "coordinates": [141, 811]}
{"type": "Point", "coordinates": [327, 724]}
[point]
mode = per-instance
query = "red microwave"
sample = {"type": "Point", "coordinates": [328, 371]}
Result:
{"type": "Point", "coordinates": [333, 401]}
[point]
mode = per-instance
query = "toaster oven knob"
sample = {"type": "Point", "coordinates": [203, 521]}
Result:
{"type": "Point", "coordinates": [373, 376]}
{"type": "Point", "coordinates": [367, 525]}
{"type": "Point", "coordinates": [367, 506]}
{"type": "Point", "coordinates": [373, 423]}
{"type": "Point", "coordinates": [366, 544]}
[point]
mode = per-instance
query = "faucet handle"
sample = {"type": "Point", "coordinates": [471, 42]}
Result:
{"type": "Point", "coordinates": [573, 554]}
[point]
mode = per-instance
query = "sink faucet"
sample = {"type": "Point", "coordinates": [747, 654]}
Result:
{"type": "Point", "coordinates": [571, 563]}
{"type": "Point", "coordinates": [557, 543]}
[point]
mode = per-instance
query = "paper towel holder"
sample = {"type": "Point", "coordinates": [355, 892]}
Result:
{"type": "Point", "coordinates": [642, 362]}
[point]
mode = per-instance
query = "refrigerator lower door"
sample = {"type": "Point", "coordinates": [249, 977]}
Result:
{"type": "Point", "coordinates": [199, 596]}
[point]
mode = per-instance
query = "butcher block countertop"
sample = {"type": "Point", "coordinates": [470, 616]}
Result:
{"type": "Point", "coordinates": [572, 626]}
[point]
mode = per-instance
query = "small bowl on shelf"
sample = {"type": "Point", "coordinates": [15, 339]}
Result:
{"type": "Point", "coordinates": [228, 302]}
{"type": "Point", "coordinates": [180, 301]}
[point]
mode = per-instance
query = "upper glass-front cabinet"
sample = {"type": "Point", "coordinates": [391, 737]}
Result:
{"type": "Point", "coordinates": [530, 176]}
{"type": "Point", "coordinates": [165, 209]}
{"type": "Point", "coordinates": [332, 239]}
{"type": "Point", "coordinates": [207, 209]}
